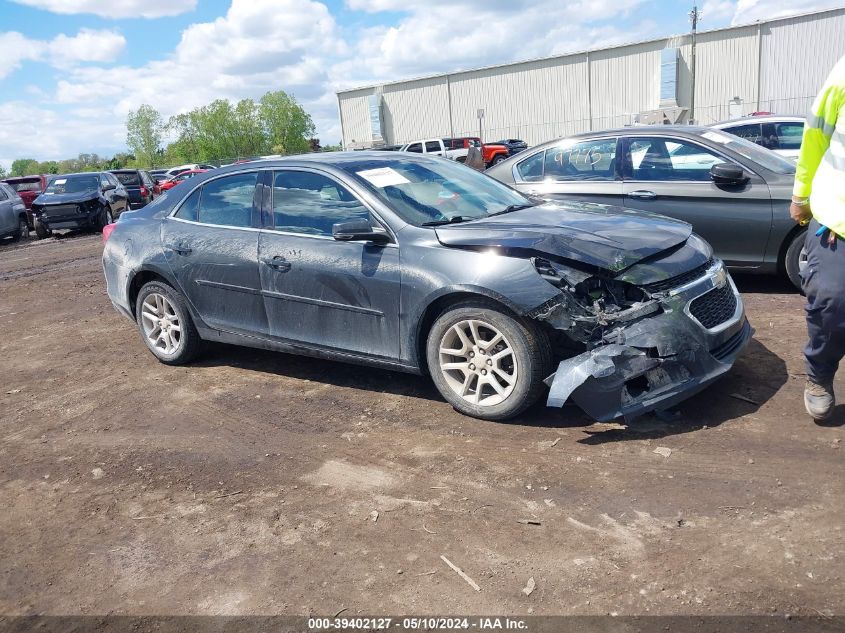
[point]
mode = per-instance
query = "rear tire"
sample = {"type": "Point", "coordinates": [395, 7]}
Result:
{"type": "Point", "coordinates": [23, 230]}
{"type": "Point", "coordinates": [165, 324]}
{"type": "Point", "coordinates": [500, 158]}
{"type": "Point", "coordinates": [42, 231]}
{"type": "Point", "coordinates": [795, 258]}
{"type": "Point", "coordinates": [497, 362]}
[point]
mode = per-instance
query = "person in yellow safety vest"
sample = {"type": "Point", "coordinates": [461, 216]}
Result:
{"type": "Point", "coordinates": [818, 201]}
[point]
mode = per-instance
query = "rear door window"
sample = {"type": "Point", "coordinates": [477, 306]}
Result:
{"type": "Point", "coordinates": [190, 208]}
{"type": "Point", "coordinates": [531, 169]}
{"type": "Point", "coordinates": [26, 185]}
{"type": "Point", "coordinates": [752, 132]}
{"type": "Point", "coordinates": [415, 147]}
{"type": "Point", "coordinates": [587, 160]}
{"type": "Point", "coordinates": [128, 177]}
{"type": "Point", "coordinates": [228, 201]}
{"type": "Point", "coordinates": [431, 147]}
{"type": "Point", "coordinates": [789, 135]}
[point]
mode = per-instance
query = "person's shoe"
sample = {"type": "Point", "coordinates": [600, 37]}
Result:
{"type": "Point", "coordinates": [819, 400]}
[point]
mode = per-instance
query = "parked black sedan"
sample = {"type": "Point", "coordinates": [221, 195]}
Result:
{"type": "Point", "coordinates": [89, 200]}
{"type": "Point", "coordinates": [735, 194]}
{"type": "Point", "coordinates": [423, 265]}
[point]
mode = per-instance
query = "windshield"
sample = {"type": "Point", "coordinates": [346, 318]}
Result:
{"type": "Point", "coordinates": [128, 177]}
{"type": "Point", "coordinates": [33, 184]}
{"type": "Point", "coordinates": [73, 184]}
{"type": "Point", "coordinates": [752, 151]}
{"type": "Point", "coordinates": [435, 190]}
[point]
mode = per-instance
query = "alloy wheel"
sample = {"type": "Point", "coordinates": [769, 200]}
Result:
{"type": "Point", "coordinates": [161, 324]}
{"type": "Point", "coordinates": [478, 362]}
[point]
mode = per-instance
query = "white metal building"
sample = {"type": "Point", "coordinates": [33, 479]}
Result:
{"type": "Point", "coordinates": [775, 66]}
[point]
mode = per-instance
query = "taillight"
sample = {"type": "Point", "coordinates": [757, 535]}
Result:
{"type": "Point", "coordinates": [107, 231]}
{"type": "Point", "coordinates": [144, 191]}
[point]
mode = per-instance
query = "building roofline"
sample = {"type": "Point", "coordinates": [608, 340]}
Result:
{"type": "Point", "coordinates": [581, 52]}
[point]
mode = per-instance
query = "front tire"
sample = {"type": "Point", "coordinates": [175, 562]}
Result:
{"type": "Point", "coordinates": [165, 324]}
{"type": "Point", "coordinates": [486, 363]}
{"type": "Point", "coordinates": [796, 258]}
{"type": "Point", "coordinates": [500, 158]}
{"type": "Point", "coordinates": [105, 217]}
{"type": "Point", "coordinates": [42, 231]}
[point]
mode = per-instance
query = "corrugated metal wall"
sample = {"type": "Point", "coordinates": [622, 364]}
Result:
{"type": "Point", "coordinates": [776, 66]}
{"type": "Point", "coordinates": [798, 53]}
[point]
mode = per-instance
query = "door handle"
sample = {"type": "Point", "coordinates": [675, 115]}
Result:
{"type": "Point", "coordinates": [180, 248]}
{"type": "Point", "coordinates": [642, 194]}
{"type": "Point", "coordinates": [278, 262]}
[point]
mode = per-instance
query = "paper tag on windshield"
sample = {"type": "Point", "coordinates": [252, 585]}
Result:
{"type": "Point", "coordinates": [60, 181]}
{"type": "Point", "coordinates": [383, 177]}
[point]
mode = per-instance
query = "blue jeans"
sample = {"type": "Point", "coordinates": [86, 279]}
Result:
{"type": "Point", "coordinates": [823, 283]}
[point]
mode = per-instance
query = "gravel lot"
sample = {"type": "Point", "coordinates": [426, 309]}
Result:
{"type": "Point", "coordinates": [262, 483]}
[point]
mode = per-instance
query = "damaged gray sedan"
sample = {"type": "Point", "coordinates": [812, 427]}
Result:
{"type": "Point", "coordinates": [422, 265]}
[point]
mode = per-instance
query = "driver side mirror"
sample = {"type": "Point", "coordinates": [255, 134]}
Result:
{"type": "Point", "coordinates": [359, 231]}
{"type": "Point", "coordinates": [728, 174]}
{"type": "Point", "coordinates": [108, 187]}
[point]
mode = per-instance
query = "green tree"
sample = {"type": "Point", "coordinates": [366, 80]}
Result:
{"type": "Point", "coordinates": [288, 126]}
{"type": "Point", "coordinates": [2, 171]}
{"type": "Point", "coordinates": [23, 167]}
{"type": "Point", "coordinates": [144, 128]}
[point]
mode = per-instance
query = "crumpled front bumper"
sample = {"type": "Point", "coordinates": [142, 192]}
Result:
{"type": "Point", "coordinates": [658, 361]}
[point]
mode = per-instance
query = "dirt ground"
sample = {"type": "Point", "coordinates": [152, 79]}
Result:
{"type": "Point", "coordinates": [249, 482]}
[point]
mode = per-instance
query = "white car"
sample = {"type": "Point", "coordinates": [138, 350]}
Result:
{"type": "Point", "coordinates": [175, 171]}
{"type": "Point", "coordinates": [781, 134]}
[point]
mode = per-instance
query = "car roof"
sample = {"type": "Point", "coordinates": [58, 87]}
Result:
{"type": "Point", "coordinates": [30, 177]}
{"type": "Point", "coordinates": [762, 118]}
{"type": "Point", "coordinates": [124, 171]}
{"type": "Point", "coordinates": [79, 173]}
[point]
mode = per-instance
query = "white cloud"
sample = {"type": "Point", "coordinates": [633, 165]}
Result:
{"type": "Point", "coordinates": [297, 46]}
{"type": "Point", "coordinates": [717, 11]}
{"type": "Point", "coordinates": [86, 46]}
{"type": "Point", "coordinates": [115, 10]}
{"type": "Point", "coordinates": [753, 10]}
{"type": "Point", "coordinates": [28, 131]}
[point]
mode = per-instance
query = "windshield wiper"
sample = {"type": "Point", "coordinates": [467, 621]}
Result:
{"type": "Point", "coordinates": [511, 208]}
{"type": "Point", "coordinates": [453, 220]}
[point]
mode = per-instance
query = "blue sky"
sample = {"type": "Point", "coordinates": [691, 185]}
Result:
{"type": "Point", "coordinates": [70, 70]}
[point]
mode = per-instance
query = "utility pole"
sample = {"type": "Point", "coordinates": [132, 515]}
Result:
{"type": "Point", "coordinates": [694, 17]}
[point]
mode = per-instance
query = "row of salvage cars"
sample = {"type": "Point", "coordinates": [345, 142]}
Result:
{"type": "Point", "coordinates": [500, 291]}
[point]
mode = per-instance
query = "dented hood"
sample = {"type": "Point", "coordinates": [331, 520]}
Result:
{"type": "Point", "coordinates": [607, 237]}
{"type": "Point", "coordinates": [49, 199]}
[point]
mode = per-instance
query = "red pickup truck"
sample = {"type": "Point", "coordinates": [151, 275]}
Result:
{"type": "Point", "coordinates": [28, 188]}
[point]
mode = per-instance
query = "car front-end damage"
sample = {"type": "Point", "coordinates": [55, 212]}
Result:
{"type": "Point", "coordinates": [644, 347]}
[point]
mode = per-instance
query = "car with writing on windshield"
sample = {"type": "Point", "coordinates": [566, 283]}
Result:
{"type": "Point", "coordinates": [87, 201]}
{"type": "Point", "coordinates": [138, 184]}
{"type": "Point", "coordinates": [419, 264]}
{"type": "Point", "coordinates": [734, 193]}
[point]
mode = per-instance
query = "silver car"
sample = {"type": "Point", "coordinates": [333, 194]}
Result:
{"type": "Point", "coordinates": [779, 133]}
{"type": "Point", "coordinates": [13, 221]}
{"type": "Point", "coordinates": [734, 193]}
